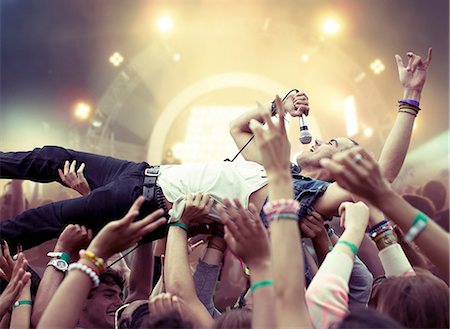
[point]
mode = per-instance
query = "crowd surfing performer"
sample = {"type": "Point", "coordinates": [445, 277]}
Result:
{"type": "Point", "coordinates": [115, 184]}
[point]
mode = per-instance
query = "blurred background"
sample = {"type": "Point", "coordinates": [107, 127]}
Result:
{"type": "Point", "coordinates": [159, 81]}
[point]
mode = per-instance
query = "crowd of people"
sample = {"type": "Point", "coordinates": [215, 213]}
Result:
{"type": "Point", "coordinates": [262, 243]}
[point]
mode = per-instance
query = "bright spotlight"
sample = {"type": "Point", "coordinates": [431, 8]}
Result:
{"type": "Point", "coordinates": [368, 132]}
{"type": "Point", "coordinates": [350, 116]}
{"type": "Point", "coordinates": [82, 111]}
{"type": "Point", "coordinates": [116, 59]}
{"type": "Point", "coordinates": [331, 26]}
{"type": "Point", "coordinates": [165, 24]}
{"type": "Point", "coordinates": [305, 57]}
{"type": "Point", "coordinates": [377, 66]}
{"type": "Point", "coordinates": [176, 57]}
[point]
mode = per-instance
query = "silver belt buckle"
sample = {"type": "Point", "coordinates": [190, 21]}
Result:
{"type": "Point", "coordinates": [148, 173]}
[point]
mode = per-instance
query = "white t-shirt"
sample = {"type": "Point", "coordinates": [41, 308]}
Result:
{"type": "Point", "coordinates": [219, 179]}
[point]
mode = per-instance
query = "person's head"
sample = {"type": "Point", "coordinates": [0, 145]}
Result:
{"type": "Point", "coordinates": [234, 319]}
{"type": "Point", "coordinates": [366, 318]}
{"type": "Point", "coordinates": [436, 192]}
{"type": "Point", "coordinates": [323, 149]}
{"type": "Point", "coordinates": [102, 302]}
{"type": "Point", "coordinates": [421, 203]}
{"type": "Point", "coordinates": [131, 315]}
{"type": "Point", "coordinates": [416, 301]}
{"type": "Point", "coordinates": [171, 320]}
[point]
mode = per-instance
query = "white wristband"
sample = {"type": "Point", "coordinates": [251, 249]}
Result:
{"type": "Point", "coordinates": [86, 270]}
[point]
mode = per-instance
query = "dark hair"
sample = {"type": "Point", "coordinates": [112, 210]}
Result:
{"type": "Point", "coordinates": [110, 277]}
{"type": "Point", "coordinates": [168, 320]}
{"type": "Point", "coordinates": [436, 192]}
{"type": "Point", "coordinates": [421, 203]}
{"type": "Point", "coordinates": [418, 301]}
{"type": "Point", "coordinates": [234, 319]}
{"type": "Point", "coordinates": [366, 318]}
{"type": "Point", "coordinates": [138, 317]}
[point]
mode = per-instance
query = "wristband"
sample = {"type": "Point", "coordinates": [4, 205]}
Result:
{"type": "Point", "coordinates": [418, 225]}
{"type": "Point", "coordinates": [62, 255]}
{"type": "Point", "coordinates": [179, 224]}
{"type": "Point", "coordinates": [22, 302]}
{"type": "Point", "coordinates": [86, 270]}
{"type": "Point", "coordinates": [409, 102]}
{"type": "Point", "coordinates": [352, 246]}
{"type": "Point", "coordinates": [261, 284]}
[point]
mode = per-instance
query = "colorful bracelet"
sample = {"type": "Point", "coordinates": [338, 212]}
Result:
{"type": "Point", "coordinates": [61, 255]}
{"type": "Point", "coordinates": [418, 225]}
{"type": "Point", "coordinates": [352, 246]}
{"type": "Point", "coordinates": [179, 224]}
{"type": "Point", "coordinates": [284, 216]}
{"type": "Point", "coordinates": [289, 206]}
{"type": "Point", "coordinates": [22, 302]}
{"type": "Point", "coordinates": [97, 261]}
{"type": "Point", "coordinates": [408, 101]}
{"type": "Point", "coordinates": [261, 284]}
{"type": "Point", "coordinates": [86, 270]}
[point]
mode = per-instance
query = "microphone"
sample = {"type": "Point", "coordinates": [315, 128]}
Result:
{"type": "Point", "coordinates": [305, 136]}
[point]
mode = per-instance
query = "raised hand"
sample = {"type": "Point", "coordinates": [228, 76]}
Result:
{"type": "Point", "coordinates": [121, 234]}
{"type": "Point", "coordinates": [164, 303]}
{"type": "Point", "coordinates": [297, 104]}
{"type": "Point", "coordinates": [6, 262]}
{"type": "Point", "coordinates": [18, 280]}
{"type": "Point", "coordinates": [72, 239]}
{"type": "Point", "coordinates": [413, 75]}
{"type": "Point", "coordinates": [356, 171]}
{"type": "Point", "coordinates": [354, 215]}
{"type": "Point", "coordinates": [272, 141]}
{"type": "Point", "coordinates": [245, 233]}
{"type": "Point", "coordinates": [197, 208]}
{"type": "Point", "coordinates": [74, 179]}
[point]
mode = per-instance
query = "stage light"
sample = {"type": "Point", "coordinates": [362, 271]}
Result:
{"type": "Point", "coordinates": [350, 116]}
{"type": "Point", "coordinates": [368, 132]}
{"type": "Point", "coordinates": [331, 26]}
{"type": "Point", "coordinates": [82, 111]}
{"type": "Point", "coordinates": [165, 24]}
{"type": "Point", "coordinates": [377, 66]}
{"type": "Point", "coordinates": [116, 59]}
{"type": "Point", "coordinates": [305, 57]}
{"type": "Point", "coordinates": [176, 57]}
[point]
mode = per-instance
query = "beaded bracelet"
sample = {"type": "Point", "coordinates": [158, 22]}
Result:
{"type": "Point", "coordinates": [285, 206]}
{"type": "Point", "coordinates": [261, 284]}
{"type": "Point", "coordinates": [97, 261]}
{"type": "Point", "coordinates": [418, 225]}
{"type": "Point", "coordinates": [86, 270]}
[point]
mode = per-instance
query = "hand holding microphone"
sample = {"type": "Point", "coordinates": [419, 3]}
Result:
{"type": "Point", "coordinates": [299, 107]}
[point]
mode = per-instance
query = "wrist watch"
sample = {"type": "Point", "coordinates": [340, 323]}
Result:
{"type": "Point", "coordinates": [59, 264]}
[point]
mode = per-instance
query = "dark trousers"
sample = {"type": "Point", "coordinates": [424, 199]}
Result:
{"type": "Point", "coordinates": [115, 184]}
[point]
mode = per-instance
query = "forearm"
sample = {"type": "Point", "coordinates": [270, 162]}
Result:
{"type": "Point", "coordinates": [63, 312]}
{"type": "Point", "coordinates": [263, 315]}
{"type": "Point", "coordinates": [433, 241]}
{"type": "Point", "coordinates": [141, 276]}
{"type": "Point", "coordinates": [21, 315]}
{"type": "Point", "coordinates": [240, 124]}
{"type": "Point", "coordinates": [321, 244]}
{"type": "Point", "coordinates": [17, 199]}
{"type": "Point", "coordinates": [177, 274]}
{"type": "Point", "coordinates": [49, 284]}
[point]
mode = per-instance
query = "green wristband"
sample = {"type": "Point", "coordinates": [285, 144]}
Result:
{"type": "Point", "coordinates": [353, 248]}
{"type": "Point", "coordinates": [261, 284]}
{"type": "Point", "coordinates": [65, 257]}
{"type": "Point", "coordinates": [179, 224]}
{"type": "Point", "coordinates": [22, 302]}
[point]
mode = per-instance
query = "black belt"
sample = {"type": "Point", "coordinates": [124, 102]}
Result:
{"type": "Point", "coordinates": [151, 191]}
